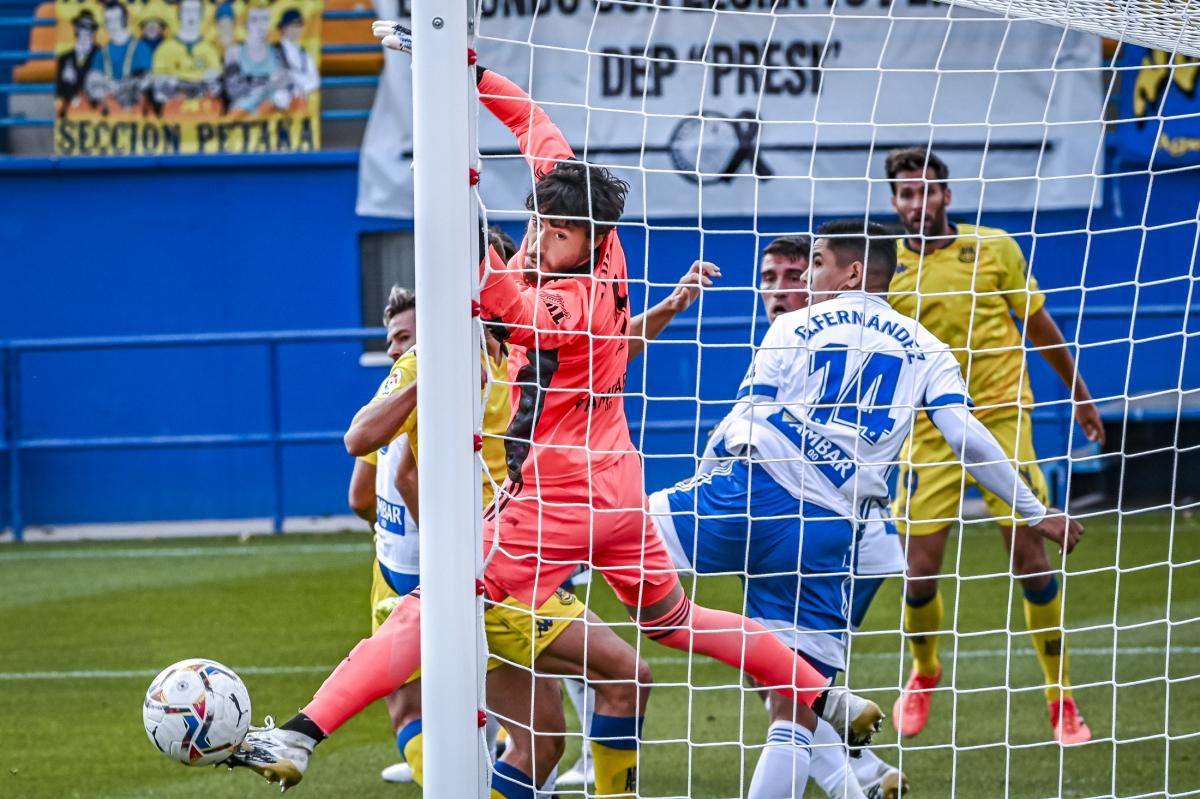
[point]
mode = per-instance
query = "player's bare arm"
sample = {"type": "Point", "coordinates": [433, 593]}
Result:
{"type": "Point", "coordinates": [361, 495]}
{"type": "Point", "coordinates": [406, 482]}
{"type": "Point", "coordinates": [376, 424]}
{"type": "Point", "coordinates": [1043, 333]}
{"type": "Point", "coordinates": [649, 325]}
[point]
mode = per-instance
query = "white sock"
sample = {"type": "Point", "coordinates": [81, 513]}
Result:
{"type": "Point", "coordinates": [583, 699]}
{"type": "Point", "coordinates": [782, 769]}
{"type": "Point", "coordinates": [490, 731]}
{"type": "Point", "coordinates": [547, 789]}
{"type": "Point", "coordinates": [831, 764]}
{"type": "Point", "coordinates": [869, 767]}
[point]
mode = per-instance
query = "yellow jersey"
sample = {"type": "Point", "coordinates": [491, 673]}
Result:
{"type": "Point", "coordinates": [191, 62]}
{"type": "Point", "coordinates": [496, 413]}
{"type": "Point", "coordinates": [966, 294]}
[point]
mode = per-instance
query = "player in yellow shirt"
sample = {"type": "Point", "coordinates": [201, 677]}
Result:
{"type": "Point", "coordinates": [187, 55]}
{"type": "Point", "coordinates": [970, 286]}
{"type": "Point", "coordinates": [400, 320]}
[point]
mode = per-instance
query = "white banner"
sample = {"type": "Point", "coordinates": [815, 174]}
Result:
{"type": "Point", "coordinates": [773, 107]}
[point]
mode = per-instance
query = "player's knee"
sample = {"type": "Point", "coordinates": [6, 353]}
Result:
{"type": "Point", "coordinates": [624, 696]}
{"type": "Point", "coordinates": [402, 709]}
{"type": "Point", "coordinates": [645, 677]}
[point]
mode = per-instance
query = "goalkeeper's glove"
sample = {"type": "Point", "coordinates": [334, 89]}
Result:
{"type": "Point", "coordinates": [393, 35]}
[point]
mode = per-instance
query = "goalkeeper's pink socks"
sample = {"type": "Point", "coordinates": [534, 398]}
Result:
{"type": "Point", "coordinates": [739, 642]}
{"type": "Point", "coordinates": [373, 669]}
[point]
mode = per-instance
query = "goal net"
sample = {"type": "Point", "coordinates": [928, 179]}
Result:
{"type": "Point", "coordinates": [1071, 205]}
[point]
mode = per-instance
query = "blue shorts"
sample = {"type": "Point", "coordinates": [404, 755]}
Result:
{"type": "Point", "coordinates": [793, 556]}
{"type": "Point", "coordinates": [400, 582]}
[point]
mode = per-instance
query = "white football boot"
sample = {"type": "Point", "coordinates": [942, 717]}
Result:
{"type": "Point", "coordinates": [890, 785]}
{"type": "Point", "coordinates": [856, 719]}
{"type": "Point", "coordinates": [582, 773]}
{"type": "Point", "coordinates": [397, 772]}
{"type": "Point", "coordinates": [278, 755]}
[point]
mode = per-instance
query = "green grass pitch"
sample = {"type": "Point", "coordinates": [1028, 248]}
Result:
{"type": "Point", "coordinates": [283, 610]}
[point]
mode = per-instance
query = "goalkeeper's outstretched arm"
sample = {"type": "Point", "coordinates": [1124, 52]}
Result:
{"type": "Point", "coordinates": [539, 138]}
{"type": "Point", "coordinates": [983, 457]}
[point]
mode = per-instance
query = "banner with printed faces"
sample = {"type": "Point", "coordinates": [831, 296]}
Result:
{"type": "Point", "coordinates": [187, 77]}
{"type": "Point", "coordinates": [736, 107]}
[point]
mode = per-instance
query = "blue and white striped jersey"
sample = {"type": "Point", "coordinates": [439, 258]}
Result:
{"type": "Point", "coordinates": [832, 394]}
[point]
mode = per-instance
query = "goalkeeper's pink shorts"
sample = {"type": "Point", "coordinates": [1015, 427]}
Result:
{"type": "Point", "coordinates": [547, 531]}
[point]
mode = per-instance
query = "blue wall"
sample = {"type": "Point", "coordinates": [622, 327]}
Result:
{"type": "Point", "coordinates": [191, 246]}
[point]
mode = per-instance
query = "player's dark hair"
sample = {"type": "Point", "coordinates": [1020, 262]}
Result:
{"type": "Point", "coordinates": [792, 248]}
{"type": "Point", "coordinates": [869, 242]}
{"type": "Point", "coordinates": [915, 159]}
{"type": "Point", "coordinates": [503, 242]}
{"type": "Point", "coordinates": [120, 5]}
{"type": "Point", "coordinates": [584, 196]}
{"type": "Point", "coordinates": [399, 301]}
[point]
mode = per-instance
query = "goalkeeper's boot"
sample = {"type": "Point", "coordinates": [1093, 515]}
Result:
{"type": "Point", "coordinates": [911, 711]}
{"type": "Point", "coordinates": [892, 784]}
{"type": "Point", "coordinates": [278, 755]}
{"type": "Point", "coordinates": [1069, 726]}
{"type": "Point", "coordinates": [856, 719]}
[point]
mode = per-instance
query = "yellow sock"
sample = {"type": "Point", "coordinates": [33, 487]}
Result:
{"type": "Point", "coordinates": [615, 753]}
{"type": "Point", "coordinates": [919, 621]}
{"type": "Point", "coordinates": [411, 746]}
{"type": "Point", "coordinates": [616, 770]}
{"type": "Point", "coordinates": [1043, 619]}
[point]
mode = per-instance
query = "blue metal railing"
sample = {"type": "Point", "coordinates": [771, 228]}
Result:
{"type": "Point", "coordinates": [14, 443]}
{"type": "Point", "coordinates": [335, 81]}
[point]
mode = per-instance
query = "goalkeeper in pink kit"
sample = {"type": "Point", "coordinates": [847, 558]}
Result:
{"type": "Point", "coordinates": [574, 494]}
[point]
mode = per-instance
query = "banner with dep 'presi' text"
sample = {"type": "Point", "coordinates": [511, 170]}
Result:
{"type": "Point", "coordinates": [734, 107]}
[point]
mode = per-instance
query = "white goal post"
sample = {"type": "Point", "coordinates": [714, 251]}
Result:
{"type": "Point", "coordinates": [447, 395]}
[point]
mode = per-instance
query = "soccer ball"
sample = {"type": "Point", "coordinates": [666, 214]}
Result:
{"type": "Point", "coordinates": [197, 712]}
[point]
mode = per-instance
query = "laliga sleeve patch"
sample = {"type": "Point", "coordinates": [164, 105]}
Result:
{"type": "Point", "coordinates": [555, 306]}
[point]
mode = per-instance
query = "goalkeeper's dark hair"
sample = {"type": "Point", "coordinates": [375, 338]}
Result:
{"type": "Point", "coordinates": [399, 300]}
{"type": "Point", "coordinates": [583, 196]}
{"type": "Point", "coordinates": [915, 159]}
{"type": "Point", "coordinates": [870, 242]}
{"type": "Point", "coordinates": [793, 248]}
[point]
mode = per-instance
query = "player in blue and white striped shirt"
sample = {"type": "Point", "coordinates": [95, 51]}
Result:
{"type": "Point", "coordinates": [825, 408]}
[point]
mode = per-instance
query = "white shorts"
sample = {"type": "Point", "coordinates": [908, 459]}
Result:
{"type": "Point", "coordinates": [878, 552]}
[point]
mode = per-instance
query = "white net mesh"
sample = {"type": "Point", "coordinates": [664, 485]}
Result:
{"type": "Point", "coordinates": [737, 123]}
{"type": "Point", "coordinates": [1170, 25]}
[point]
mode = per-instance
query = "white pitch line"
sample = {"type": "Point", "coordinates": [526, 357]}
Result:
{"type": "Point", "coordinates": [187, 552]}
{"type": "Point", "coordinates": [19, 676]}
{"type": "Point", "coordinates": [971, 654]}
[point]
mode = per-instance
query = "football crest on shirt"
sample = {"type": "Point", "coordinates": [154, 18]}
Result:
{"type": "Point", "coordinates": [564, 596]}
{"type": "Point", "coordinates": [966, 253]}
{"type": "Point", "coordinates": [555, 305]}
